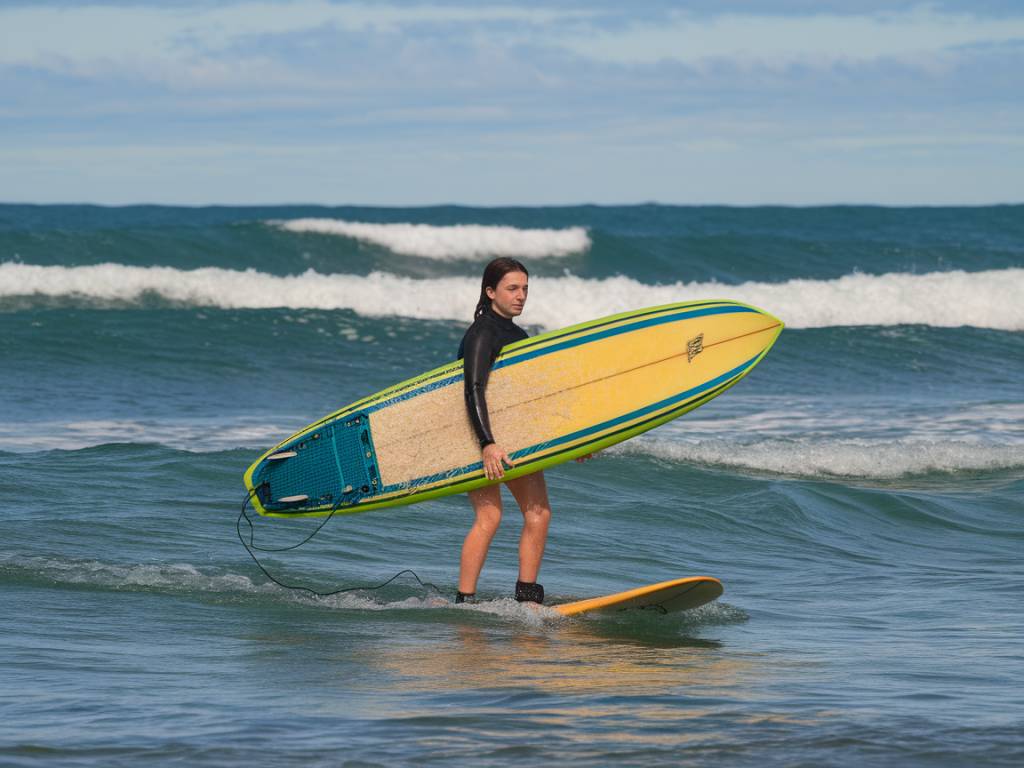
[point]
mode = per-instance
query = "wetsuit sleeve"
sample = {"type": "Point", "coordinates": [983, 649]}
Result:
{"type": "Point", "coordinates": [477, 360]}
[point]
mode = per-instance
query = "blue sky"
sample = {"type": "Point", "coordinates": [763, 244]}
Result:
{"type": "Point", "coordinates": [484, 103]}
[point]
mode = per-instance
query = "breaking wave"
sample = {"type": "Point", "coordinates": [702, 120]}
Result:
{"type": "Point", "coordinates": [989, 299]}
{"type": "Point", "coordinates": [451, 243]}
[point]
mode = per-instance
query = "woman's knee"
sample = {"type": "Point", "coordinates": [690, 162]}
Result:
{"type": "Point", "coordinates": [530, 492]}
{"type": "Point", "coordinates": [487, 506]}
{"type": "Point", "coordinates": [489, 519]}
{"type": "Point", "coordinates": [536, 514]}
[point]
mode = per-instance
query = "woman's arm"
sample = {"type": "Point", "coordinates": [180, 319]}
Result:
{"type": "Point", "coordinates": [476, 366]}
{"type": "Point", "coordinates": [478, 356]}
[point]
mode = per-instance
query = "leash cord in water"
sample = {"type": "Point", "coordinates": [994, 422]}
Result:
{"type": "Point", "coordinates": [251, 545]}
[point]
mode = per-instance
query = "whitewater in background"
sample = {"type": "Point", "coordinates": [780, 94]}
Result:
{"type": "Point", "coordinates": [989, 299]}
{"type": "Point", "coordinates": [453, 242]}
{"type": "Point", "coordinates": [859, 494]}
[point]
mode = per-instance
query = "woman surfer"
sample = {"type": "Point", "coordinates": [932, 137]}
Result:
{"type": "Point", "coordinates": [503, 292]}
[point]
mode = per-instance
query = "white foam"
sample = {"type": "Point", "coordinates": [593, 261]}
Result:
{"type": "Point", "coordinates": [989, 299]}
{"type": "Point", "coordinates": [847, 458]}
{"type": "Point", "coordinates": [451, 243]}
{"type": "Point", "coordinates": [194, 435]}
{"type": "Point", "coordinates": [851, 417]}
{"type": "Point", "coordinates": [184, 577]}
{"type": "Point", "coordinates": [139, 576]}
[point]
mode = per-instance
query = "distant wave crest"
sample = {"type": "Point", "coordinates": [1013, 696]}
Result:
{"type": "Point", "coordinates": [876, 459]}
{"type": "Point", "coordinates": [988, 299]}
{"type": "Point", "coordinates": [451, 243]}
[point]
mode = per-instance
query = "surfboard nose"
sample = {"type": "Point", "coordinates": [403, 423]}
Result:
{"type": "Point", "coordinates": [736, 333]}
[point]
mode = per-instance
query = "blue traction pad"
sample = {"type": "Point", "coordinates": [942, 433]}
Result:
{"type": "Point", "coordinates": [335, 464]}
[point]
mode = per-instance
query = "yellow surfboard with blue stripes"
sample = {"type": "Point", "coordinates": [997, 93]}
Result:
{"type": "Point", "coordinates": [552, 398]}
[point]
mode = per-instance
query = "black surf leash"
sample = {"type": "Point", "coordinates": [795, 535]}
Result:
{"type": "Point", "coordinates": [251, 545]}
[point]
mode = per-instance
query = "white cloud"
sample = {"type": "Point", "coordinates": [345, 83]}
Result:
{"type": "Point", "coordinates": [239, 46]}
{"type": "Point", "coordinates": [31, 35]}
{"type": "Point", "coordinates": [417, 103]}
{"type": "Point", "coordinates": [786, 39]}
{"type": "Point", "coordinates": [924, 142]}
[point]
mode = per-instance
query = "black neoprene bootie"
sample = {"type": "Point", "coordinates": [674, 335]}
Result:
{"type": "Point", "coordinates": [465, 597]}
{"type": "Point", "coordinates": [529, 592]}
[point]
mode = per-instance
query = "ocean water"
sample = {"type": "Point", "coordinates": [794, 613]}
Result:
{"type": "Point", "coordinates": [860, 494]}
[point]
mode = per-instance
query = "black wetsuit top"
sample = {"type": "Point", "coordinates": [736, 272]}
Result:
{"type": "Point", "coordinates": [480, 346]}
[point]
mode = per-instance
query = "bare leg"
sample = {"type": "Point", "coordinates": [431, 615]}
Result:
{"type": "Point", "coordinates": [487, 506]}
{"type": "Point", "coordinates": [531, 493]}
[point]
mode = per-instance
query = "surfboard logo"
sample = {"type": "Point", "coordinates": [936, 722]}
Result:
{"type": "Point", "coordinates": [694, 347]}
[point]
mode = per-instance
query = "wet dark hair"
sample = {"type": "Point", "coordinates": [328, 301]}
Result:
{"type": "Point", "coordinates": [493, 273]}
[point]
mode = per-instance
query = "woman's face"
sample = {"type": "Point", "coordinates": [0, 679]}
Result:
{"type": "Point", "coordinates": [509, 296]}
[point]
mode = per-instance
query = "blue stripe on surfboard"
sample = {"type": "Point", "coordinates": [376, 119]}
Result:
{"type": "Point", "coordinates": [640, 412]}
{"type": "Point", "coordinates": [727, 310]}
{"type": "Point", "coordinates": [620, 330]}
{"type": "Point", "coordinates": [596, 325]}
